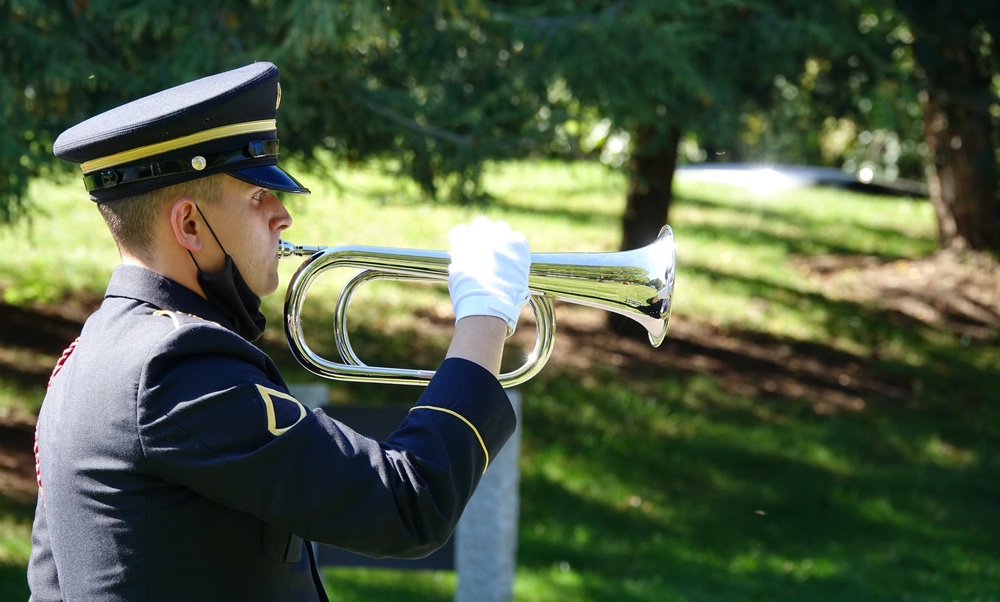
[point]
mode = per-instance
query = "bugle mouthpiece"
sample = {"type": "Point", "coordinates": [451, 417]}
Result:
{"type": "Point", "coordinates": [287, 249]}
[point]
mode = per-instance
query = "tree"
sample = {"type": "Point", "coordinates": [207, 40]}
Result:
{"type": "Point", "coordinates": [952, 46]}
{"type": "Point", "coordinates": [65, 61]}
{"type": "Point", "coordinates": [427, 87]}
{"type": "Point", "coordinates": [657, 71]}
{"type": "Point", "coordinates": [662, 70]}
{"type": "Point", "coordinates": [31, 90]}
{"type": "Point", "coordinates": [441, 88]}
{"type": "Point", "coordinates": [424, 88]}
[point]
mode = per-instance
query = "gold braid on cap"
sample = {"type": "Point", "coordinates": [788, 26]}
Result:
{"type": "Point", "coordinates": [225, 131]}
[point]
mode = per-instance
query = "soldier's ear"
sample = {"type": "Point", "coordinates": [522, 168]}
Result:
{"type": "Point", "coordinates": [186, 224]}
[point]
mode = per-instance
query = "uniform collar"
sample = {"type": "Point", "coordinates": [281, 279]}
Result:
{"type": "Point", "coordinates": [141, 284]}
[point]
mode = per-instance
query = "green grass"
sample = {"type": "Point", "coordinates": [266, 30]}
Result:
{"type": "Point", "coordinates": [692, 479]}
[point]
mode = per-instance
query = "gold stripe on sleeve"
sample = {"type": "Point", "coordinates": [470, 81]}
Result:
{"type": "Point", "coordinates": [466, 421]}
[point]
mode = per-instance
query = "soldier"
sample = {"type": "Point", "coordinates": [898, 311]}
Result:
{"type": "Point", "coordinates": [173, 462]}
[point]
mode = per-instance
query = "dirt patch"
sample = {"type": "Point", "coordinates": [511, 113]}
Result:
{"type": "Point", "coordinates": [958, 291]}
{"type": "Point", "coordinates": [17, 460]}
{"type": "Point", "coordinates": [33, 338]}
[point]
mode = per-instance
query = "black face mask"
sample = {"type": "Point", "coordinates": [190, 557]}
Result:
{"type": "Point", "coordinates": [231, 295]}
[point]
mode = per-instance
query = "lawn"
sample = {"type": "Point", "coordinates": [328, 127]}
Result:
{"type": "Point", "coordinates": [820, 424]}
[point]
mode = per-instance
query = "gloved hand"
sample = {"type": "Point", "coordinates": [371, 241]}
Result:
{"type": "Point", "coordinates": [488, 274]}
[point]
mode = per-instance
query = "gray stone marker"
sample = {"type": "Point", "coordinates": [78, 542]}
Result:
{"type": "Point", "coordinates": [486, 536]}
{"type": "Point", "coordinates": [311, 395]}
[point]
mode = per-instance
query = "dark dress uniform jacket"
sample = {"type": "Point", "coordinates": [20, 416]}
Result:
{"type": "Point", "coordinates": [174, 464]}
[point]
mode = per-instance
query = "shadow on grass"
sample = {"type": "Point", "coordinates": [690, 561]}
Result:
{"type": "Point", "coordinates": [719, 466]}
{"type": "Point", "coordinates": [703, 494]}
{"type": "Point", "coordinates": [13, 582]}
{"type": "Point", "coordinates": [809, 237]}
{"type": "Point", "coordinates": [766, 490]}
{"type": "Point", "coordinates": [345, 585]}
{"type": "Point", "coordinates": [16, 513]}
{"type": "Point", "coordinates": [709, 483]}
{"type": "Point", "coordinates": [907, 360]}
{"type": "Point", "coordinates": [34, 339]}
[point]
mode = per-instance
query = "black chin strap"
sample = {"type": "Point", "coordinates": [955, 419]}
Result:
{"type": "Point", "coordinates": [205, 219]}
{"type": "Point", "coordinates": [230, 294]}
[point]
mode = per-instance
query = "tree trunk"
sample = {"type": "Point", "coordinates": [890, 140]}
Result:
{"type": "Point", "coordinates": [650, 187]}
{"type": "Point", "coordinates": [962, 174]}
{"type": "Point", "coordinates": [956, 74]}
{"type": "Point", "coordinates": [650, 192]}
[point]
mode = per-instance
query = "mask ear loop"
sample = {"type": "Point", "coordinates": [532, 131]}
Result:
{"type": "Point", "coordinates": [213, 236]}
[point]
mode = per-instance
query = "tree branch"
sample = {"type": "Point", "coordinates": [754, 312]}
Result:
{"type": "Point", "coordinates": [413, 124]}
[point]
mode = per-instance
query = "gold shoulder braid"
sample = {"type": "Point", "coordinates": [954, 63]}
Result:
{"type": "Point", "coordinates": [175, 316]}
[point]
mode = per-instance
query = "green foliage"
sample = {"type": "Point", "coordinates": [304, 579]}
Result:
{"type": "Point", "coordinates": [30, 91]}
{"type": "Point", "coordinates": [437, 90]}
{"type": "Point", "coordinates": [441, 88]}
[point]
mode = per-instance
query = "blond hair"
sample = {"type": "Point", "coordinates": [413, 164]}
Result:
{"type": "Point", "coordinates": [131, 219]}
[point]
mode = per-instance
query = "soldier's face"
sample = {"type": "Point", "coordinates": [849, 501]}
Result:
{"type": "Point", "coordinates": [249, 221]}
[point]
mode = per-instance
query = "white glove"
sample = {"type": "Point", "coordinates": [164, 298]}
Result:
{"type": "Point", "coordinates": [488, 275]}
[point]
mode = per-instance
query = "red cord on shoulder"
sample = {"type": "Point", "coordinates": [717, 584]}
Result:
{"type": "Point", "coordinates": [55, 370]}
{"type": "Point", "coordinates": [61, 361]}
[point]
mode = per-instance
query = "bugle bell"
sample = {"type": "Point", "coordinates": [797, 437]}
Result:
{"type": "Point", "coordinates": [637, 284]}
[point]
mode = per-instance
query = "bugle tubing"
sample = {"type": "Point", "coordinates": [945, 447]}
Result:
{"type": "Point", "coordinates": [638, 284]}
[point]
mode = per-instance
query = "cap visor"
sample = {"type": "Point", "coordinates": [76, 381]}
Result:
{"type": "Point", "coordinates": [271, 177]}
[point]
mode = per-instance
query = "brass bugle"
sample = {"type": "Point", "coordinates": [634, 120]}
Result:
{"type": "Point", "coordinates": [637, 284]}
